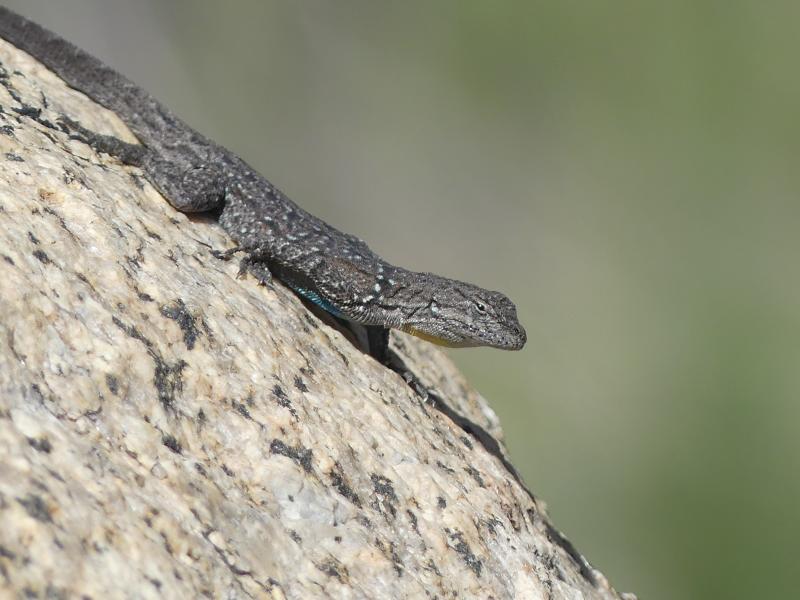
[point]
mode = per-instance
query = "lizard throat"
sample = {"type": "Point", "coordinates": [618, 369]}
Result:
{"type": "Point", "coordinates": [431, 338]}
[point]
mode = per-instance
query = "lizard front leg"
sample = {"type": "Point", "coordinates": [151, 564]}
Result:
{"type": "Point", "coordinates": [378, 343]}
{"type": "Point", "coordinates": [254, 262]}
{"type": "Point", "coordinates": [187, 187]}
{"type": "Point", "coordinates": [127, 153]}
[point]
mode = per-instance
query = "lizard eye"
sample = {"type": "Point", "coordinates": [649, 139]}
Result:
{"type": "Point", "coordinates": [480, 307]}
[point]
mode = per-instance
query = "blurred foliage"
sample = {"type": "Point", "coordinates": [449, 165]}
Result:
{"type": "Point", "coordinates": [626, 171]}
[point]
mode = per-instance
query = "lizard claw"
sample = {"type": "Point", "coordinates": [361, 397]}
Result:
{"type": "Point", "coordinates": [67, 123]}
{"type": "Point", "coordinates": [225, 254]}
{"type": "Point", "coordinates": [73, 129]}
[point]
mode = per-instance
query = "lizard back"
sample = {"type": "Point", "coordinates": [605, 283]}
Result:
{"type": "Point", "coordinates": [275, 219]}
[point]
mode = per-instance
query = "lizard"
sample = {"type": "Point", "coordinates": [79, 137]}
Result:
{"type": "Point", "coordinates": [334, 270]}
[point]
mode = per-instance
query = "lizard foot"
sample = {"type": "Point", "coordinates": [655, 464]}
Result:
{"type": "Point", "coordinates": [415, 384]}
{"type": "Point", "coordinates": [252, 263]}
{"type": "Point", "coordinates": [257, 268]}
{"type": "Point", "coordinates": [226, 254]}
{"type": "Point", "coordinates": [129, 154]}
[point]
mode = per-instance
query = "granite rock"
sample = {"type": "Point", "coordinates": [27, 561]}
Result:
{"type": "Point", "coordinates": [168, 430]}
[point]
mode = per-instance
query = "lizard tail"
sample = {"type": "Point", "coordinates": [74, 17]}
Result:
{"type": "Point", "coordinates": [85, 73]}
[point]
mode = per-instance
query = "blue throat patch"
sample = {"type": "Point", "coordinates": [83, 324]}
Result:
{"type": "Point", "coordinates": [316, 299]}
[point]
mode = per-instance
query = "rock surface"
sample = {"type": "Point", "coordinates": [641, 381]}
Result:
{"type": "Point", "coordinates": [170, 431]}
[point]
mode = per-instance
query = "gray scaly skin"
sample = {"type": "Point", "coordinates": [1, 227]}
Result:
{"type": "Point", "coordinates": [335, 270]}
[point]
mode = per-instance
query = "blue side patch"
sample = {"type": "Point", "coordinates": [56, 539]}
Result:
{"type": "Point", "coordinates": [315, 298]}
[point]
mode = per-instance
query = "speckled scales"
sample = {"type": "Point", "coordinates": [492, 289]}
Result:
{"type": "Point", "coordinates": [336, 270]}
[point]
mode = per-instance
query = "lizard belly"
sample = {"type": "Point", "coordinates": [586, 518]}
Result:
{"type": "Point", "coordinates": [319, 301]}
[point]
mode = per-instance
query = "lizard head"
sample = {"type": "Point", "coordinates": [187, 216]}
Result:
{"type": "Point", "coordinates": [459, 314]}
{"type": "Point", "coordinates": [440, 310]}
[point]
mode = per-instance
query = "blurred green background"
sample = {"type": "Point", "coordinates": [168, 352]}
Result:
{"type": "Point", "coordinates": [625, 171]}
